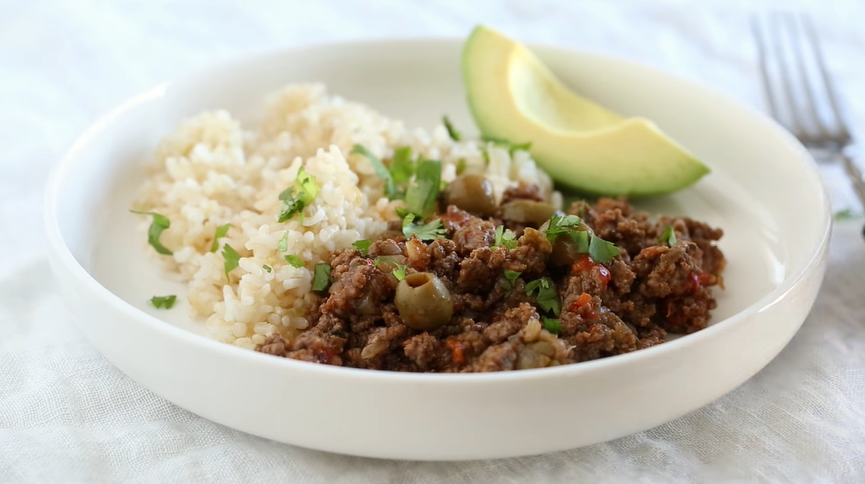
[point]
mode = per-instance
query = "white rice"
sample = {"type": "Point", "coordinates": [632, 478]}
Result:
{"type": "Point", "coordinates": [211, 172]}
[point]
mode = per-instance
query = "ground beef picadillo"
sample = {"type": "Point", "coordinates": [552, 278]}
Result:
{"type": "Point", "coordinates": [623, 305]}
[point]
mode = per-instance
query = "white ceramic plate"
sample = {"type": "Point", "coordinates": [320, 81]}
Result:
{"type": "Point", "coordinates": [764, 191]}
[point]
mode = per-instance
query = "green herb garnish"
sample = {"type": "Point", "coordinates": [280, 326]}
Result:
{"type": "Point", "coordinates": [283, 242]}
{"type": "Point", "coordinates": [298, 197]}
{"type": "Point", "coordinates": [232, 258]}
{"type": "Point", "coordinates": [362, 246]}
{"type": "Point", "coordinates": [159, 224]}
{"type": "Point", "coordinates": [545, 294]}
{"type": "Point", "coordinates": [426, 233]}
{"type": "Point", "coordinates": [561, 225]}
{"type": "Point", "coordinates": [453, 133]}
{"type": "Point", "coordinates": [511, 277]}
{"type": "Point", "coordinates": [321, 277]}
{"type": "Point", "coordinates": [402, 166]}
{"type": "Point", "coordinates": [511, 147]}
{"type": "Point", "coordinates": [163, 302]}
{"type": "Point", "coordinates": [552, 325]}
{"type": "Point", "coordinates": [220, 233]}
{"type": "Point", "coordinates": [669, 236]}
{"type": "Point", "coordinates": [846, 214]}
{"type": "Point", "coordinates": [267, 268]}
{"type": "Point", "coordinates": [505, 238]}
{"type": "Point", "coordinates": [600, 250]}
{"type": "Point", "coordinates": [294, 261]}
{"type": "Point", "coordinates": [399, 269]}
{"type": "Point", "coordinates": [422, 192]}
{"type": "Point", "coordinates": [461, 166]}
{"type": "Point", "coordinates": [390, 188]}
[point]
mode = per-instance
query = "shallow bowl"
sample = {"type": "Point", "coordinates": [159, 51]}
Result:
{"type": "Point", "coordinates": [764, 191]}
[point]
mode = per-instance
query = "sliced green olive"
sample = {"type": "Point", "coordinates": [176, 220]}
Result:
{"type": "Point", "coordinates": [527, 212]}
{"type": "Point", "coordinates": [564, 250]}
{"type": "Point", "coordinates": [472, 193]}
{"type": "Point", "coordinates": [423, 301]}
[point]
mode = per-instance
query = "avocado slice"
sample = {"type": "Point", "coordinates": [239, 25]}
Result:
{"type": "Point", "coordinates": [513, 96]}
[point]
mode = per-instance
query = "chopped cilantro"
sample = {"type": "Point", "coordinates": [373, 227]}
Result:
{"type": "Point", "coordinates": [512, 277]}
{"type": "Point", "coordinates": [461, 166]}
{"type": "Point", "coordinates": [220, 233]}
{"type": "Point", "coordinates": [600, 250]}
{"type": "Point", "coordinates": [668, 236]}
{"type": "Point", "coordinates": [545, 294]}
{"type": "Point", "coordinates": [581, 239]}
{"type": "Point", "coordinates": [159, 224]}
{"type": "Point", "coordinates": [399, 269]}
{"type": "Point", "coordinates": [511, 147]}
{"type": "Point", "coordinates": [163, 302]}
{"type": "Point", "coordinates": [390, 188]}
{"type": "Point", "coordinates": [267, 268]}
{"type": "Point", "coordinates": [294, 261]}
{"type": "Point", "coordinates": [426, 233]}
{"type": "Point", "coordinates": [846, 214]}
{"type": "Point", "coordinates": [453, 133]}
{"type": "Point", "coordinates": [297, 198]}
{"type": "Point", "coordinates": [231, 257]}
{"type": "Point", "coordinates": [402, 165]}
{"type": "Point", "coordinates": [362, 246]}
{"type": "Point", "coordinates": [560, 225]}
{"type": "Point", "coordinates": [552, 325]}
{"type": "Point", "coordinates": [283, 242]}
{"type": "Point", "coordinates": [422, 192]}
{"type": "Point", "coordinates": [505, 238]}
{"type": "Point", "coordinates": [321, 277]}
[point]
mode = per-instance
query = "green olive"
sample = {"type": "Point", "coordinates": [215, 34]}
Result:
{"type": "Point", "coordinates": [564, 250]}
{"type": "Point", "coordinates": [423, 301]}
{"type": "Point", "coordinates": [527, 212]}
{"type": "Point", "coordinates": [472, 193]}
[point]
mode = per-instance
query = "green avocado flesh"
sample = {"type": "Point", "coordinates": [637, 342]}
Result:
{"type": "Point", "coordinates": [513, 96]}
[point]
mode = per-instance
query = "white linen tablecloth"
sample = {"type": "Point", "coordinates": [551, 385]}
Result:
{"type": "Point", "coordinates": [67, 415]}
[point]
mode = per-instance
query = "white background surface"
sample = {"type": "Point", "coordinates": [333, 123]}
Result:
{"type": "Point", "coordinates": [66, 415]}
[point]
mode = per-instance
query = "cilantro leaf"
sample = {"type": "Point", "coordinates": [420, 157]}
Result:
{"type": "Point", "coordinates": [453, 133]}
{"type": "Point", "coordinates": [422, 192]}
{"type": "Point", "coordinates": [545, 294]}
{"type": "Point", "coordinates": [220, 233]}
{"type": "Point", "coordinates": [297, 198]}
{"type": "Point", "coordinates": [267, 268]}
{"type": "Point", "coordinates": [600, 250]}
{"type": "Point", "coordinates": [362, 246]}
{"type": "Point", "coordinates": [505, 238]}
{"type": "Point", "coordinates": [561, 225]}
{"type": "Point", "coordinates": [231, 257]}
{"type": "Point", "coordinates": [163, 302]}
{"type": "Point", "coordinates": [461, 166]}
{"type": "Point", "coordinates": [390, 188]}
{"type": "Point", "coordinates": [668, 236]}
{"type": "Point", "coordinates": [294, 261]}
{"type": "Point", "coordinates": [159, 224]}
{"type": "Point", "coordinates": [845, 214]}
{"type": "Point", "coordinates": [425, 233]}
{"type": "Point", "coordinates": [512, 277]}
{"type": "Point", "coordinates": [511, 147]}
{"type": "Point", "coordinates": [402, 166]}
{"type": "Point", "coordinates": [321, 277]}
{"type": "Point", "coordinates": [283, 242]}
{"type": "Point", "coordinates": [581, 240]}
{"type": "Point", "coordinates": [398, 270]}
{"type": "Point", "coordinates": [552, 325]}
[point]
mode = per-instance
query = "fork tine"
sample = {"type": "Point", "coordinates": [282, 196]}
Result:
{"type": "Point", "coordinates": [793, 31]}
{"type": "Point", "coordinates": [760, 41]}
{"type": "Point", "coordinates": [776, 40]}
{"type": "Point", "coordinates": [811, 34]}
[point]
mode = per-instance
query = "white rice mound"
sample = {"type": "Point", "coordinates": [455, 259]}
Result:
{"type": "Point", "coordinates": [211, 171]}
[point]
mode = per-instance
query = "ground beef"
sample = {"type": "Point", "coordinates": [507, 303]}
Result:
{"type": "Point", "coordinates": [618, 306]}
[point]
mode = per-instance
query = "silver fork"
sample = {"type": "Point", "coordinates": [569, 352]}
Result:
{"type": "Point", "coordinates": [800, 93]}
